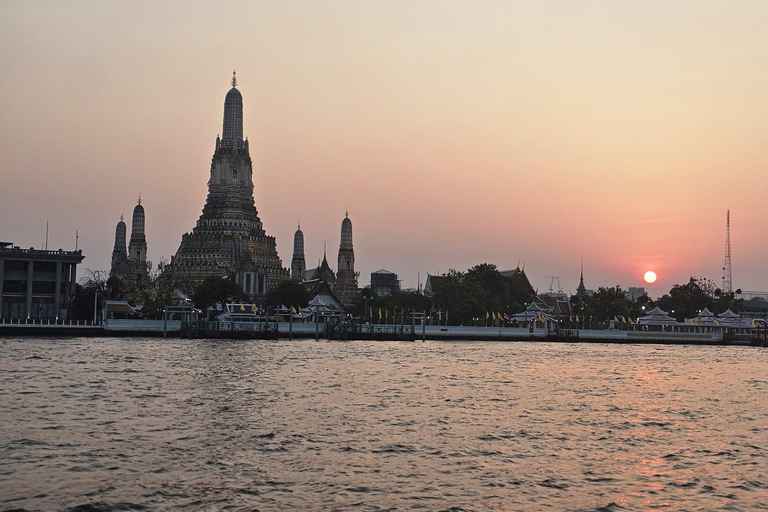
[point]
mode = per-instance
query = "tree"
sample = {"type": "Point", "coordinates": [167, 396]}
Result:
{"type": "Point", "coordinates": [608, 303]}
{"type": "Point", "coordinates": [288, 293]}
{"type": "Point", "coordinates": [215, 290]}
{"type": "Point", "coordinates": [686, 300]}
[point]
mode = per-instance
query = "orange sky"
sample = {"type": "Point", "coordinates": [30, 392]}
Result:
{"type": "Point", "coordinates": [457, 133]}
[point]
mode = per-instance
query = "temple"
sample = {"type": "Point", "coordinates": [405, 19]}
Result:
{"type": "Point", "coordinates": [298, 263]}
{"type": "Point", "coordinates": [229, 238]}
{"type": "Point", "coordinates": [131, 263]}
{"type": "Point", "coordinates": [346, 279]}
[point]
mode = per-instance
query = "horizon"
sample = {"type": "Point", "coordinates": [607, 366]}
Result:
{"type": "Point", "coordinates": [456, 135]}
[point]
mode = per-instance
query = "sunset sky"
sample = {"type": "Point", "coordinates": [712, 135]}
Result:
{"type": "Point", "coordinates": [456, 132]}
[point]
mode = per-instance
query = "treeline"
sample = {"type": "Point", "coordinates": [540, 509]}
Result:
{"type": "Point", "coordinates": [457, 298]}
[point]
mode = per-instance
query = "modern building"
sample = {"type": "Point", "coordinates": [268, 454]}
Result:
{"type": "Point", "coordinates": [635, 293]}
{"type": "Point", "coordinates": [229, 238]}
{"type": "Point", "coordinates": [36, 284]}
{"type": "Point", "coordinates": [384, 283]}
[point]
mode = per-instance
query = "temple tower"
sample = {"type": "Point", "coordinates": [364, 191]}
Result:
{"type": "Point", "coordinates": [137, 248]}
{"type": "Point", "coordinates": [298, 263]}
{"type": "Point", "coordinates": [229, 239]}
{"type": "Point", "coordinates": [346, 279]}
{"type": "Point", "coordinates": [119, 252]}
{"type": "Point", "coordinates": [581, 290]}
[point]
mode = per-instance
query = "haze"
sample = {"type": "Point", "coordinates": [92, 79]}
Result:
{"type": "Point", "coordinates": [456, 132]}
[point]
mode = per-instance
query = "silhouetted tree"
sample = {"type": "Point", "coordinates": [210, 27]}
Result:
{"type": "Point", "coordinates": [215, 290]}
{"type": "Point", "coordinates": [288, 293]}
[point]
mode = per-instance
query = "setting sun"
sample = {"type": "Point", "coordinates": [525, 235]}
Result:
{"type": "Point", "coordinates": [650, 276]}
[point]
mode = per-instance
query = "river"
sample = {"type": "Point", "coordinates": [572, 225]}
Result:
{"type": "Point", "coordinates": [151, 424]}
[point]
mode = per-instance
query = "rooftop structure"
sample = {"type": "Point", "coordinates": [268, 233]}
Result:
{"type": "Point", "coordinates": [384, 282]}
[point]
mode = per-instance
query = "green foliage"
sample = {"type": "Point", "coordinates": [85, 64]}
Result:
{"type": "Point", "coordinates": [469, 296]}
{"type": "Point", "coordinates": [687, 300]}
{"type": "Point", "coordinates": [400, 300]}
{"type": "Point", "coordinates": [214, 290]}
{"type": "Point", "coordinates": [607, 303]}
{"type": "Point", "coordinates": [288, 293]}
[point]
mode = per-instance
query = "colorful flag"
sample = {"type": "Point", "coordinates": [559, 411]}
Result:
{"type": "Point", "coordinates": [254, 309]}
{"type": "Point", "coordinates": [242, 307]}
{"type": "Point", "coordinates": [293, 310]}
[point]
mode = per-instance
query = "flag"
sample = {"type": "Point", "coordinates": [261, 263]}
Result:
{"type": "Point", "coordinates": [386, 313]}
{"type": "Point", "coordinates": [242, 307]}
{"type": "Point", "coordinates": [379, 313]}
{"type": "Point", "coordinates": [487, 314]}
{"type": "Point", "coordinates": [254, 309]}
{"type": "Point", "coordinates": [300, 311]}
{"type": "Point", "coordinates": [630, 320]}
{"type": "Point", "coordinates": [293, 310]}
{"type": "Point", "coordinates": [577, 318]}
{"type": "Point", "coordinates": [541, 318]}
{"type": "Point", "coordinates": [623, 319]}
{"type": "Point", "coordinates": [493, 315]}
{"type": "Point", "coordinates": [439, 315]}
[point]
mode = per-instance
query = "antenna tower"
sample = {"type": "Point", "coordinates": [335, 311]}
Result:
{"type": "Point", "coordinates": [727, 278]}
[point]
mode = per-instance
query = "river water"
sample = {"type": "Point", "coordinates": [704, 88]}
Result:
{"type": "Point", "coordinates": [151, 424]}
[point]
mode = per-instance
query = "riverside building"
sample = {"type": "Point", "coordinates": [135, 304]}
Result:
{"type": "Point", "coordinates": [36, 284]}
{"type": "Point", "coordinates": [229, 238]}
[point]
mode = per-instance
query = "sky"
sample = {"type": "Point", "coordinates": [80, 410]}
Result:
{"type": "Point", "coordinates": [456, 132]}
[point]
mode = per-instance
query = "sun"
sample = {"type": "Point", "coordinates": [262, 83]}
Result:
{"type": "Point", "coordinates": [650, 276]}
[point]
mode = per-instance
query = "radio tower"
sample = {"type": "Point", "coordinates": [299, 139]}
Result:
{"type": "Point", "coordinates": [727, 281]}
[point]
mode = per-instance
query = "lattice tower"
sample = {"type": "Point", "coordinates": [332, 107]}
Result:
{"type": "Point", "coordinates": [727, 277]}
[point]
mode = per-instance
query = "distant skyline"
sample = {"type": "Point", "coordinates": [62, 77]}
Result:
{"type": "Point", "coordinates": [456, 133]}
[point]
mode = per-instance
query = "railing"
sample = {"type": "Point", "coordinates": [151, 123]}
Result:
{"type": "Point", "coordinates": [45, 322]}
{"type": "Point", "coordinates": [748, 295]}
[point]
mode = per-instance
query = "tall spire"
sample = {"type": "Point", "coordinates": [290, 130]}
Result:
{"type": "Point", "coordinates": [234, 79]}
{"type": "Point", "coordinates": [581, 289]}
{"type": "Point", "coordinates": [139, 201]}
{"type": "Point", "coordinates": [346, 278]}
{"type": "Point", "coordinates": [298, 263]}
{"type": "Point", "coordinates": [233, 114]}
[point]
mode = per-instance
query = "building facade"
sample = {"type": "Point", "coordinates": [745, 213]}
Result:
{"type": "Point", "coordinates": [229, 238]}
{"type": "Point", "coordinates": [36, 284]}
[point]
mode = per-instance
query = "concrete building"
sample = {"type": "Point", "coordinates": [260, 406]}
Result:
{"type": "Point", "coordinates": [36, 284]}
{"type": "Point", "coordinates": [635, 293]}
{"type": "Point", "coordinates": [384, 283]}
